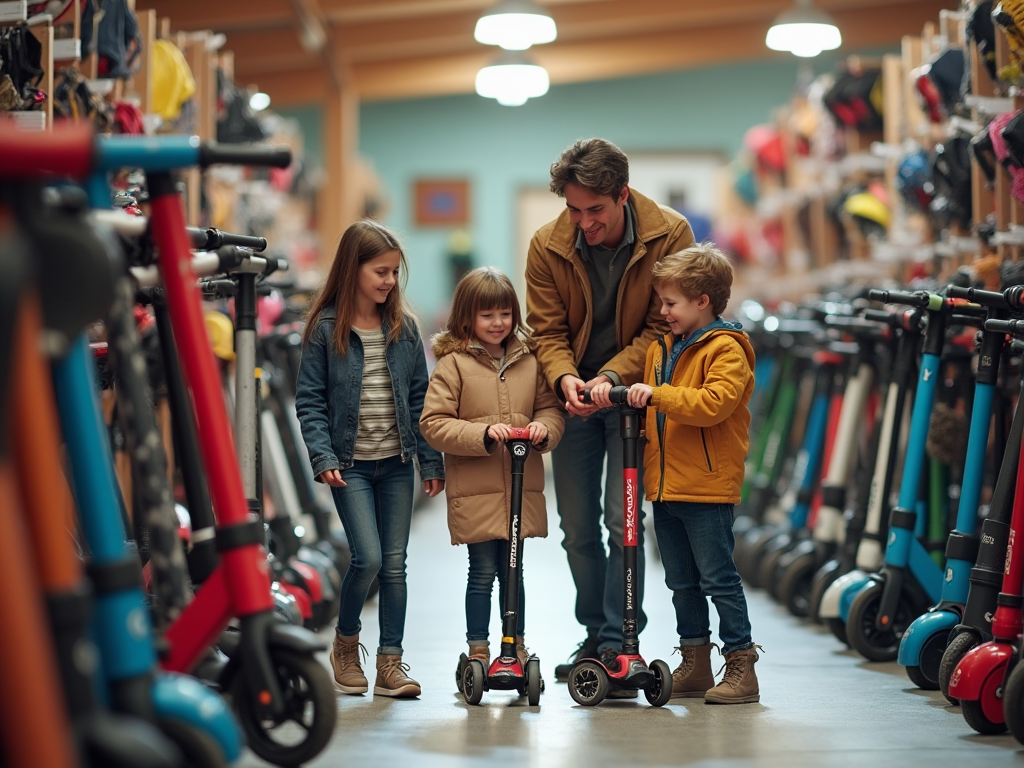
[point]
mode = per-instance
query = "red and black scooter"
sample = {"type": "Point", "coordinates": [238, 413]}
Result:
{"type": "Point", "coordinates": [506, 673]}
{"type": "Point", "coordinates": [590, 680]}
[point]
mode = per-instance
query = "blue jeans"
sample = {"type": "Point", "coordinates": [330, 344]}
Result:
{"type": "Point", "coordinates": [597, 571]}
{"type": "Point", "coordinates": [488, 559]}
{"type": "Point", "coordinates": [375, 507]}
{"type": "Point", "coordinates": [696, 544]}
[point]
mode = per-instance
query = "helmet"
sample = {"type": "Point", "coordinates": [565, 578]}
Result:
{"type": "Point", "coordinates": [222, 335]}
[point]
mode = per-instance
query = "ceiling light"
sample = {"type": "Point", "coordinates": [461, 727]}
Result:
{"type": "Point", "coordinates": [804, 31]}
{"type": "Point", "coordinates": [515, 25]}
{"type": "Point", "coordinates": [512, 79]}
{"type": "Point", "coordinates": [259, 101]}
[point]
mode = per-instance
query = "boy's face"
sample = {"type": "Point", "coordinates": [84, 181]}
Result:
{"type": "Point", "coordinates": [602, 218]}
{"type": "Point", "coordinates": [684, 315]}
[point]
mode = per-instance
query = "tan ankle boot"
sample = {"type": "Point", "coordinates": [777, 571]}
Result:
{"type": "Point", "coordinates": [693, 677]}
{"type": "Point", "coordinates": [348, 672]}
{"type": "Point", "coordinates": [739, 683]}
{"type": "Point", "coordinates": [392, 680]}
{"type": "Point", "coordinates": [481, 651]}
{"type": "Point", "coordinates": [522, 652]}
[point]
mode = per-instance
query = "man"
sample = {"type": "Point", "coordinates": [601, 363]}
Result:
{"type": "Point", "coordinates": [590, 301]}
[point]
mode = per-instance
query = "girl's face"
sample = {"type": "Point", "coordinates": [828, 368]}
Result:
{"type": "Point", "coordinates": [492, 326]}
{"type": "Point", "coordinates": [377, 277]}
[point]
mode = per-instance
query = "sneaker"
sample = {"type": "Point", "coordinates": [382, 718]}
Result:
{"type": "Point", "coordinates": [739, 683]}
{"type": "Point", "coordinates": [392, 679]}
{"type": "Point", "coordinates": [585, 650]}
{"type": "Point", "coordinates": [348, 672]}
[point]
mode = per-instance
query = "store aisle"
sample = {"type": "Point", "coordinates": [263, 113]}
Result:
{"type": "Point", "coordinates": [820, 705]}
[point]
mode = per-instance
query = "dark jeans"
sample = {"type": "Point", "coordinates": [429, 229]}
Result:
{"type": "Point", "coordinates": [488, 559]}
{"type": "Point", "coordinates": [578, 463]}
{"type": "Point", "coordinates": [696, 544]}
{"type": "Point", "coordinates": [376, 509]}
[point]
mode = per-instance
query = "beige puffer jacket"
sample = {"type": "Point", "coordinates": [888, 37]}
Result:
{"type": "Point", "coordinates": [467, 394]}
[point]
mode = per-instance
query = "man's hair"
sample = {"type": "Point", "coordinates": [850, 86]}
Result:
{"type": "Point", "coordinates": [595, 164]}
{"type": "Point", "coordinates": [701, 268]}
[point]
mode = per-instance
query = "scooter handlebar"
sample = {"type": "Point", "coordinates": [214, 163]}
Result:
{"type": "Point", "coordinates": [1012, 327]}
{"type": "Point", "coordinates": [978, 296]}
{"type": "Point", "coordinates": [617, 395]}
{"type": "Point", "coordinates": [212, 239]}
{"type": "Point", "coordinates": [519, 433]}
{"type": "Point", "coordinates": [211, 153]}
{"type": "Point", "coordinates": [917, 299]}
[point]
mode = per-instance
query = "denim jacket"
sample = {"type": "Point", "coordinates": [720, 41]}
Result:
{"type": "Point", "coordinates": [328, 389]}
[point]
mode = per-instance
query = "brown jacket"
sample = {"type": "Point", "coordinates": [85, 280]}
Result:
{"type": "Point", "coordinates": [467, 394]}
{"type": "Point", "coordinates": [704, 424]}
{"type": "Point", "coordinates": [558, 293]}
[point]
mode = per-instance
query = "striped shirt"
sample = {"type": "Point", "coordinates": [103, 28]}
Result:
{"type": "Point", "coordinates": [377, 436]}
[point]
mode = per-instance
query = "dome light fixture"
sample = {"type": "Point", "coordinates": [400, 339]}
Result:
{"type": "Point", "coordinates": [512, 79]}
{"type": "Point", "coordinates": [515, 25]}
{"type": "Point", "coordinates": [804, 31]}
{"type": "Point", "coordinates": [259, 101]}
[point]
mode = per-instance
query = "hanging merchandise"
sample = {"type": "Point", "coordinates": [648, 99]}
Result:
{"type": "Point", "coordinates": [1009, 15]}
{"type": "Point", "coordinates": [938, 84]}
{"type": "Point", "coordinates": [982, 31]}
{"type": "Point", "coordinates": [870, 213]}
{"type": "Point", "coordinates": [73, 100]}
{"type": "Point", "coordinates": [766, 144]}
{"type": "Point", "coordinates": [951, 178]}
{"type": "Point", "coordinates": [173, 83]}
{"type": "Point", "coordinates": [128, 118]}
{"type": "Point", "coordinates": [856, 99]}
{"type": "Point", "coordinates": [20, 70]}
{"type": "Point", "coordinates": [744, 182]}
{"type": "Point", "coordinates": [912, 181]}
{"type": "Point", "coordinates": [236, 122]}
{"type": "Point", "coordinates": [118, 40]}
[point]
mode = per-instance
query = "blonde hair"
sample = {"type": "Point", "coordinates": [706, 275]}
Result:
{"type": "Point", "coordinates": [481, 289]}
{"type": "Point", "coordinates": [594, 164]}
{"type": "Point", "coordinates": [363, 241]}
{"type": "Point", "coordinates": [699, 269]}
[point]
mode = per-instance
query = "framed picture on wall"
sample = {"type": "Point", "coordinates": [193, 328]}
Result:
{"type": "Point", "coordinates": [441, 202]}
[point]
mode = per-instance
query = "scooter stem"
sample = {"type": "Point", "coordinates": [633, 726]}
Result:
{"type": "Point", "coordinates": [518, 449]}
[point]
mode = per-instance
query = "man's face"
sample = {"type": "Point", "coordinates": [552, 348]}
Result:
{"type": "Point", "coordinates": [601, 218]}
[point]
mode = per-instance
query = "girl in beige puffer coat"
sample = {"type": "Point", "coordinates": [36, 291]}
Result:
{"type": "Point", "coordinates": [486, 382]}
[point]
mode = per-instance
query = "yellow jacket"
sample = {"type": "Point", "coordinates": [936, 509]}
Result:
{"type": "Point", "coordinates": [704, 422]}
{"type": "Point", "coordinates": [558, 293]}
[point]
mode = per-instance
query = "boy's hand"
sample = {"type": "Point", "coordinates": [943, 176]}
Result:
{"type": "Point", "coordinates": [332, 477]}
{"type": "Point", "coordinates": [599, 388]}
{"type": "Point", "coordinates": [538, 432]}
{"type": "Point", "coordinates": [572, 388]}
{"type": "Point", "coordinates": [499, 432]}
{"type": "Point", "coordinates": [639, 395]}
{"type": "Point", "coordinates": [433, 487]}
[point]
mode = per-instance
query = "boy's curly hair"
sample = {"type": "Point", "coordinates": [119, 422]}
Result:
{"type": "Point", "coordinates": [699, 269]}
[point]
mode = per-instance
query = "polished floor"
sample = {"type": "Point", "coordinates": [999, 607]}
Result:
{"type": "Point", "coordinates": [821, 705]}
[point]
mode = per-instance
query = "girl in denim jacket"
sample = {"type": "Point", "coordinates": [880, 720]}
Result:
{"type": "Point", "coordinates": [360, 391]}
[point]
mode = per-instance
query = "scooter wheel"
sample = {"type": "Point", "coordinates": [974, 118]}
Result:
{"type": "Point", "coordinates": [200, 749]}
{"type": "Point", "coordinates": [794, 588]}
{"type": "Point", "coordinates": [533, 682]}
{"type": "Point", "coordinates": [926, 674]}
{"type": "Point", "coordinates": [659, 690]}
{"type": "Point", "coordinates": [820, 582]}
{"type": "Point", "coordinates": [983, 714]}
{"type": "Point", "coordinates": [310, 710]}
{"type": "Point", "coordinates": [868, 640]}
{"type": "Point", "coordinates": [473, 681]}
{"type": "Point", "coordinates": [838, 628]}
{"type": "Point", "coordinates": [1013, 703]}
{"type": "Point", "coordinates": [459, 669]}
{"type": "Point", "coordinates": [956, 650]}
{"type": "Point", "coordinates": [588, 683]}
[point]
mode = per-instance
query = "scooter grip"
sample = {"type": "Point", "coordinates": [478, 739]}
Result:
{"type": "Point", "coordinates": [617, 395]}
{"type": "Point", "coordinates": [519, 433]}
{"type": "Point", "coordinates": [1012, 327]}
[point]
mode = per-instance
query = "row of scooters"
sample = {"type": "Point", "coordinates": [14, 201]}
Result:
{"type": "Point", "coordinates": [150, 634]}
{"type": "Point", "coordinates": [883, 424]}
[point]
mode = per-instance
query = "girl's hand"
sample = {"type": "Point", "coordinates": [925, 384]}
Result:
{"type": "Point", "coordinates": [639, 395]}
{"type": "Point", "coordinates": [538, 432]}
{"type": "Point", "coordinates": [433, 487]}
{"type": "Point", "coordinates": [332, 477]}
{"type": "Point", "coordinates": [499, 432]}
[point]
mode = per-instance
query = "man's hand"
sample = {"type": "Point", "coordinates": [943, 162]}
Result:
{"type": "Point", "coordinates": [433, 487]}
{"type": "Point", "coordinates": [333, 478]}
{"type": "Point", "coordinates": [538, 432]}
{"type": "Point", "coordinates": [639, 395]}
{"type": "Point", "coordinates": [572, 389]}
{"type": "Point", "coordinates": [499, 432]}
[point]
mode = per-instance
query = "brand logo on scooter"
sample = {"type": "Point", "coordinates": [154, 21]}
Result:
{"type": "Point", "coordinates": [514, 544]}
{"type": "Point", "coordinates": [949, 574]}
{"type": "Point", "coordinates": [629, 589]}
{"type": "Point", "coordinates": [986, 539]}
{"type": "Point", "coordinates": [1009, 553]}
{"type": "Point", "coordinates": [519, 450]}
{"type": "Point", "coordinates": [926, 374]}
{"type": "Point", "coordinates": [988, 616]}
{"type": "Point", "coordinates": [630, 497]}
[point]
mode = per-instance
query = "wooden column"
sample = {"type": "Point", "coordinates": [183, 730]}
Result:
{"type": "Point", "coordinates": [338, 204]}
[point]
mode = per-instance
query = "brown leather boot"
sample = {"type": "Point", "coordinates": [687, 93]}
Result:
{"type": "Point", "coordinates": [481, 651]}
{"type": "Point", "coordinates": [348, 672]}
{"type": "Point", "coordinates": [739, 683]}
{"type": "Point", "coordinates": [693, 677]}
{"type": "Point", "coordinates": [522, 652]}
{"type": "Point", "coordinates": [391, 678]}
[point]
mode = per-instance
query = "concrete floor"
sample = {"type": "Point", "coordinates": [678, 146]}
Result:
{"type": "Point", "coordinates": [821, 705]}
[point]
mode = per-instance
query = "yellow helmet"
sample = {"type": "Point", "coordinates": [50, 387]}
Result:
{"type": "Point", "coordinates": [222, 335]}
{"type": "Point", "coordinates": [866, 206]}
{"type": "Point", "coordinates": [173, 83]}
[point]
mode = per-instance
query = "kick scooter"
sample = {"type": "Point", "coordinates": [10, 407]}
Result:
{"type": "Point", "coordinates": [506, 673]}
{"type": "Point", "coordinates": [590, 680]}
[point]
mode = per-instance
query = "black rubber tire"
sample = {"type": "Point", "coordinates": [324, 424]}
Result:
{"type": "Point", "coordinates": [823, 578]}
{"type": "Point", "coordinates": [838, 628]}
{"type": "Point", "coordinates": [533, 682]}
{"type": "Point", "coordinates": [199, 748]}
{"type": "Point", "coordinates": [865, 638]}
{"type": "Point", "coordinates": [794, 587]}
{"type": "Point", "coordinates": [918, 678]}
{"type": "Point", "coordinates": [659, 690]}
{"type": "Point", "coordinates": [310, 704]}
{"type": "Point", "coordinates": [588, 683]}
{"type": "Point", "coordinates": [975, 717]}
{"type": "Point", "coordinates": [771, 553]}
{"type": "Point", "coordinates": [955, 651]}
{"type": "Point", "coordinates": [473, 681]}
{"type": "Point", "coordinates": [459, 669]}
{"type": "Point", "coordinates": [1013, 703]}
{"type": "Point", "coordinates": [925, 675]}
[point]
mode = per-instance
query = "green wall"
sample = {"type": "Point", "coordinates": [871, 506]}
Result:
{"type": "Point", "coordinates": [504, 149]}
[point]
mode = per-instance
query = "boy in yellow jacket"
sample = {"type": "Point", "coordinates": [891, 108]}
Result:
{"type": "Point", "coordinates": [699, 379]}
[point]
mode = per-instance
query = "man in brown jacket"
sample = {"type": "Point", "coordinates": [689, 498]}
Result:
{"type": "Point", "coordinates": [594, 313]}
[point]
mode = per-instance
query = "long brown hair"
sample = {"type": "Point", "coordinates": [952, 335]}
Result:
{"type": "Point", "coordinates": [481, 289]}
{"type": "Point", "coordinates": [361, 242]}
